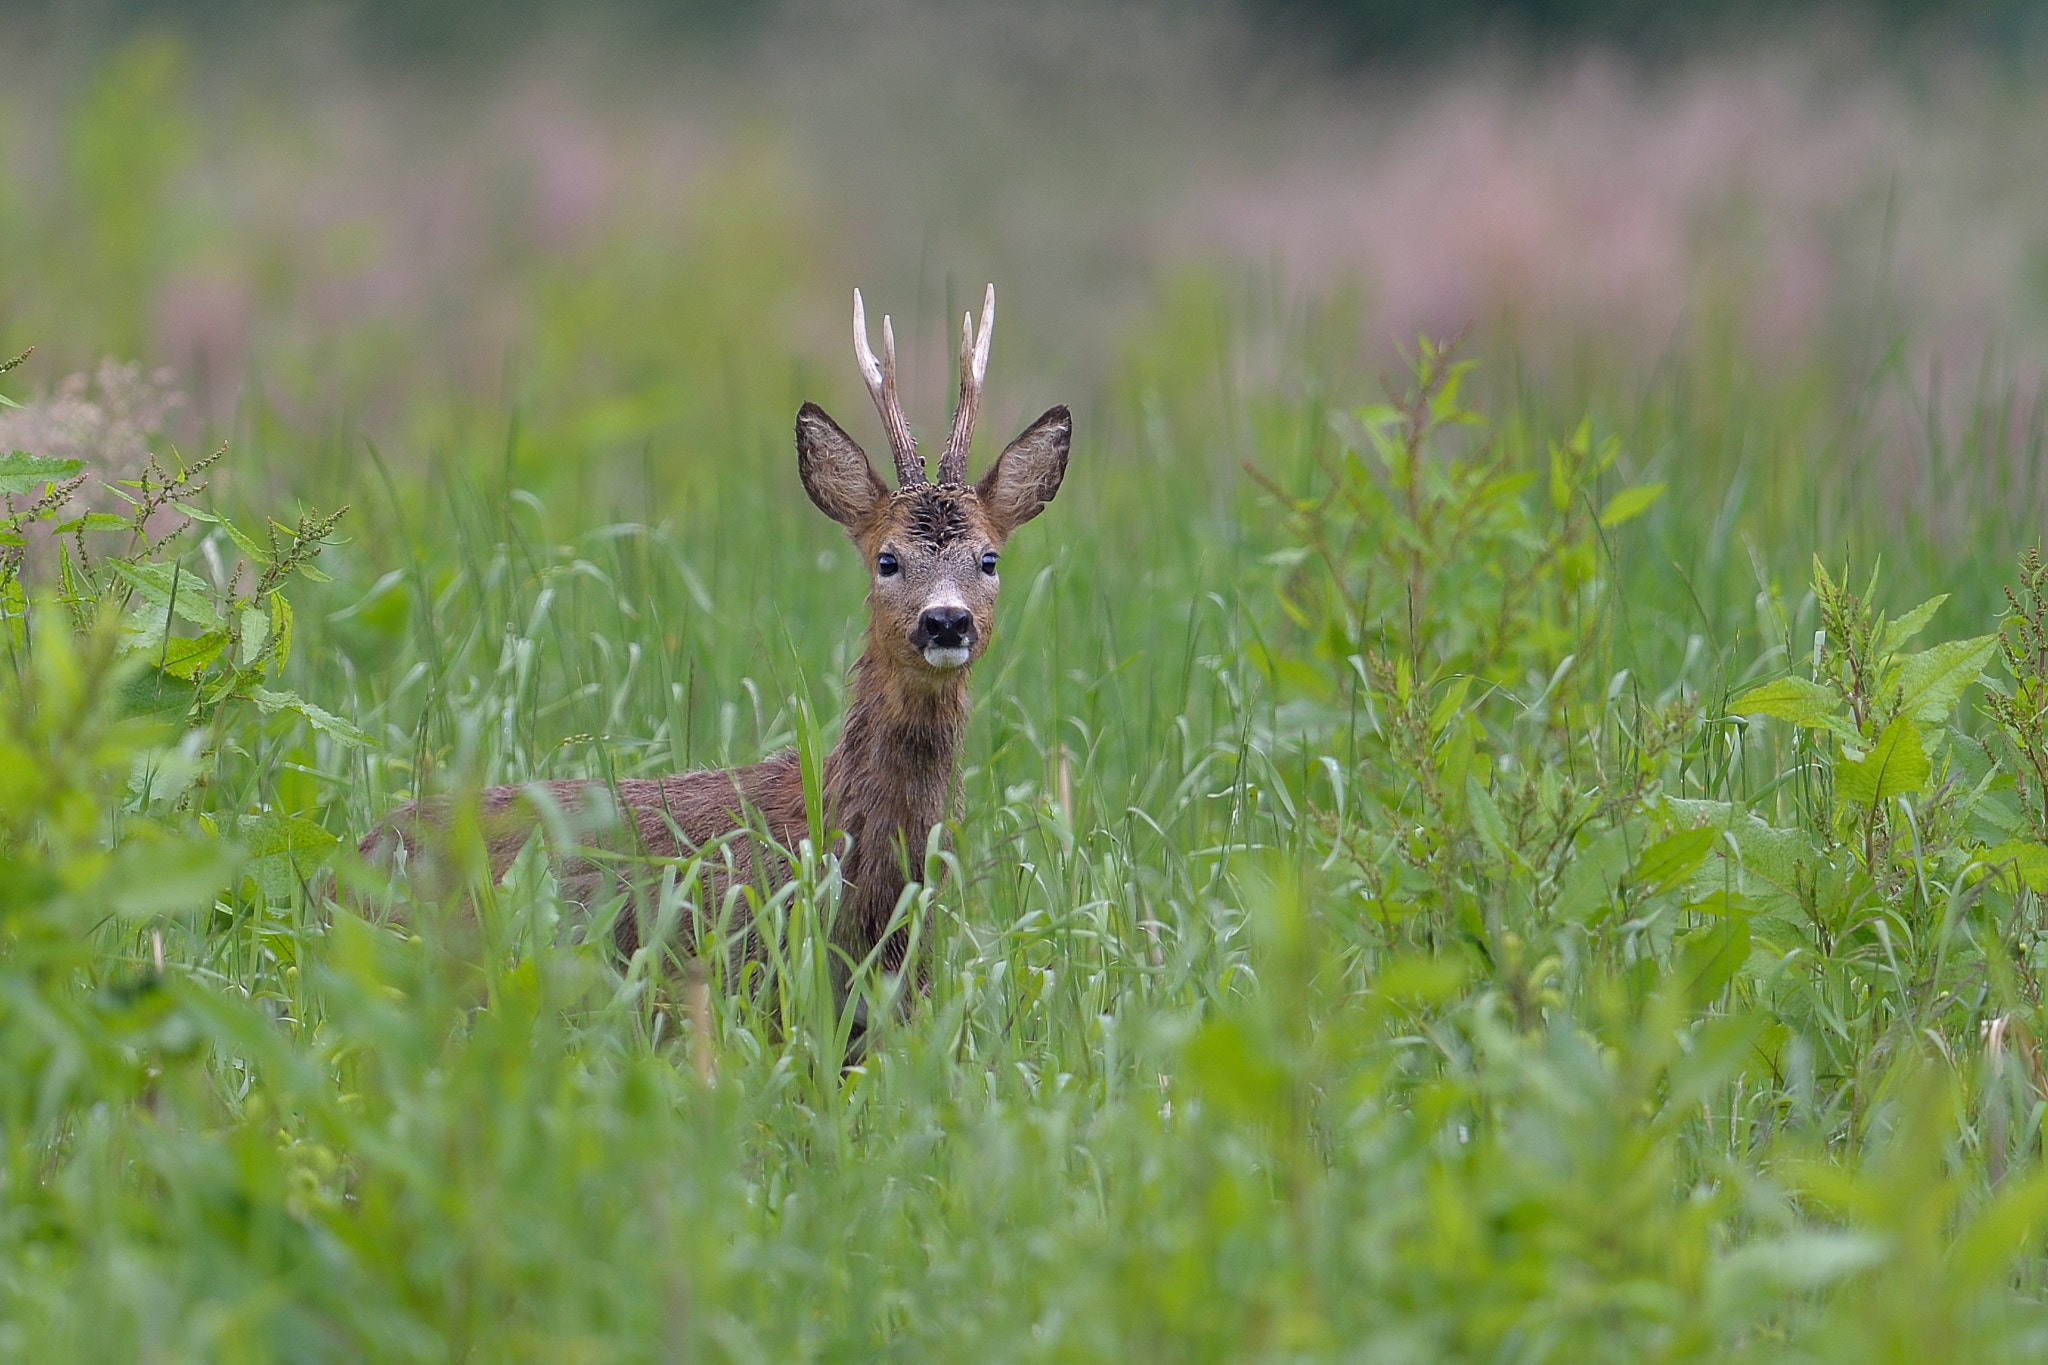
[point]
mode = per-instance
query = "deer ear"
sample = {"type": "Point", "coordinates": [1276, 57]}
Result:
{"type": "Point", "coordinates": [835, 470]}
{"type": "Point", "coordinates": [1028, 472]}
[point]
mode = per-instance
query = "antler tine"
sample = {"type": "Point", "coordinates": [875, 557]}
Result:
{"type": "Point", "coordinates": [881, 381]}
{"type": "Point", "coordinates": [973, 370]}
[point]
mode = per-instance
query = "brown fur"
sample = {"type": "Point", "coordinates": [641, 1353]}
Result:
{"type": "Point", "coordinates": [889, 780]}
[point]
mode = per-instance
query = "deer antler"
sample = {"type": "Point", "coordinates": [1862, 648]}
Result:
{"type": "Point", "coordinates": [973, 369]}
{"type": "Point", "coordinates": [882, 388]}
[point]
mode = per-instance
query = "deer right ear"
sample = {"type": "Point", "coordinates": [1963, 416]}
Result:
{"type": "Point", "coordinates": [835, 470]}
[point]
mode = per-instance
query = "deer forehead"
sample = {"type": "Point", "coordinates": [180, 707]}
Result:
{"type": "Point", "coordinates": [932, 519]}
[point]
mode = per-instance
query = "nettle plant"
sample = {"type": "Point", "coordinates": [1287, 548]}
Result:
{"type": "Point", "coordinates": [1880, 772]}
{"type": "Point", "coordinates": [1867, 875]}
{"type": "Point", "coordinates": [1452, 589]}
{"type": "Point", "coordinates": [198, 638]}
{"type": "Point", "coordinates": [181, 617]}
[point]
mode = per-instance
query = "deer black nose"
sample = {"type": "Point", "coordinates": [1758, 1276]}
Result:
{"type": "Point", "coordinates": [946, 627]}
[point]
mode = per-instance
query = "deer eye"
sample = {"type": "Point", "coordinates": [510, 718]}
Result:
{"type": "Point", "coordinates": [988, 562]}
{"type": "Point", "coordinates": [886, 565]}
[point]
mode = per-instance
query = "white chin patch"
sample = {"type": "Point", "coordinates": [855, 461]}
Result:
{"type": "Point", "coordinates": [955, 657]}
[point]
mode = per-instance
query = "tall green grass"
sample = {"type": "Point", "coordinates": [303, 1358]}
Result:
{"type": "Point", "coordinates": [1387, 921]}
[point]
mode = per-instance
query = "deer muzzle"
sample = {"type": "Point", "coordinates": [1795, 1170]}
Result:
{"type": "Point", "coordinates": [944, 636]}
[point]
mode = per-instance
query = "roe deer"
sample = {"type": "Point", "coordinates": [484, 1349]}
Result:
{"type": "Point", "coordinates": [931, 550]}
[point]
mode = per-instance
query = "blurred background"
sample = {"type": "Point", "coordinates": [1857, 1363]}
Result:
{"type": "Point", "coordinates": [304, 224]}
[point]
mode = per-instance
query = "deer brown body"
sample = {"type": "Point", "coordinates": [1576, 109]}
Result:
{"type": "Point", "coordinates": [931, 552]}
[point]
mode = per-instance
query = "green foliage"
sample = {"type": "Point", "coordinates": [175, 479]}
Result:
{"type": "Point", "coordinates": [1377, 926]}
{"type": "Point", "coordinates": [199, 640]}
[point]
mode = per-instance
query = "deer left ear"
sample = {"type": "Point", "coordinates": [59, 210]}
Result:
{"type": "Point", "coordinates": [835, 470]}
{"type": "Point", "coordinates": [1028, 472]}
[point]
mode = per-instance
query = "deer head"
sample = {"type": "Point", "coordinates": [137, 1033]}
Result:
{"type": "Point", "coordinates": [932, 549]}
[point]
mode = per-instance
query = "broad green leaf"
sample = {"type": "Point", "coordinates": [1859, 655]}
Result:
{"type": "Point", "coordinates": [1630, 503]}
{"type": "Point", "coordinates": [1448, 705]}
{"type": "Point", "coordinates": [1416, 979]}
{"type": "Point", "coordinates": [21, 472]}
{"type": "Point", "coordinates": [2021, 858]}
{"type": "Point", "coordinates": [151, 877]}
{"type": "Point", "coordinates": [255, 630]}
{"type": "Point", "coordinates": [1895, 766]}
{"type": "Point", "coordinates": [1802, 1261]}
{"type": "Point", "coordinates": [281, 623]}
{"type": "Point", "coordinates": [1719, 1050]}
{"type": "Point", "coordinates": [1673, 858]}
{"type": "Point", "coordinates": [326, 722]}
{"type": "Point", "coordinates": [21, 779]}
{"type": "Point", "coordinates": [1723, 905]}
{"type": "Point", "coordinates": [1932, 682]}
{"type": "Point", "coordinates": [185, 658]}
{"type": "Point", "coordinates": [1800, 700]}
{"type": "Point", "coordinates": [283, 850]}
{"type": "Point", "coordinates": [151, 692]}
{"type": "Point", "coordinates": [1708, 959]}
{"type": "Point", "coordinates": [95, 521]}
{"type": "Point", "coordinates": [1911, 624]}
{"type": "Point", "coordinates": [1590, 879]}
{"type": "Point", "coordinates": [1234, 1073]}
{"type": "Point", "coordinates": [1770, 863]}
{"type": "Point", "coordinates": [164, 585]}
{"type": "Point", "coordinates": [1486, 819]}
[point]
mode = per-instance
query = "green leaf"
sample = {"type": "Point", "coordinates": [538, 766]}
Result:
{"type": "Point", "coordinates": [2022, 859]}
{"type": "Point", "coordinates": [149, 692]}
{"type": "Point", "coordinates": [1895, 766]}
{"type": "Point", "coordinates": [1589, 882]}
{"type": "Point", "coordinates": [1448, 705]}
{"type": "Point", "coordinates": [1234, 1073]}
{"type": "Point", "coordinates": [1722, 905]}
{"type": "Point", "coordinates": [1630, 503]}
{"type": "Point", "coordinates": [1800, 1261]}
{"type": "Point", "coordinates": [1932, 682]}
{"type": "Point", "coordinates": [1770, 863]}
{"type": "Point", "coordinates": [1486, 819]}
{"type": "Point", "coordinates": [1719, 1050]}
{"type": "Point", "coordinates": [95, 521]}
{"type": "Point", "coordinates": [1673, 858]}
{"type": "Point", "coordinates": [1911, 624]}
{"type": "Point", "coordinates": [283, 850]}
{"type": "Point", "coordinates": [1709, 958]}
{"type": "Point", "coordinates": [1417, 979]}
{"type": "Point", "coordinates": [21, 472]}
{"type": "Point", "coordinates": [326, 722]}
{"type": "Point", "coordinates": [151, 877]}
{"type": "Point", "coordinates": [1800, 700]}
{"type": "Point", "coordinates": [185, 658]}
{"type": "Point", "coordinates": [164, 585]}
{"type": "Point", "coordinates": [255, 630]}
{"type": "Point", "coordinates": [281, 623]}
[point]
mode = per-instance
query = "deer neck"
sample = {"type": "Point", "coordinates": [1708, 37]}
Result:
{"type": "Point", "coordinates": [893, 768]}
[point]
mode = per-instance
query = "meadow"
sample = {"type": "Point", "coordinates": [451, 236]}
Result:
{"type": "Point", "coordinates": [1474, 848]}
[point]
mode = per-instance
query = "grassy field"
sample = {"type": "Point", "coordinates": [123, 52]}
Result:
{"type": "Point", "coordinates": [1485, 862]}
